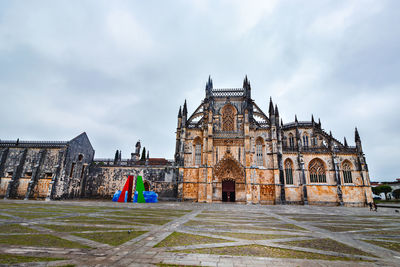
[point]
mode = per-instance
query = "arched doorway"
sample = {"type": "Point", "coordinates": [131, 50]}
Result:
{"type": "Point", "coordinates": [228, 190]}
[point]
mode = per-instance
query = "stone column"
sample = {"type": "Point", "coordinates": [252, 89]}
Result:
{"type": "Point", "coordinates": [337, 178]}
{"type": "Point", "coordinates": [303, 181]}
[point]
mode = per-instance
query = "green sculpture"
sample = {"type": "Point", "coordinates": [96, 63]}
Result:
{"type": "Point", "coordinates": [140, 189]}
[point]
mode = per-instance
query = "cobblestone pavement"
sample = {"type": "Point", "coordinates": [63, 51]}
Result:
{"type": "Point", "coordinates": [209, 234]}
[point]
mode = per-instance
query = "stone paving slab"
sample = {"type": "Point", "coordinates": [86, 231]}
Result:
{"type": "Point", "coordinates": [140, 251]}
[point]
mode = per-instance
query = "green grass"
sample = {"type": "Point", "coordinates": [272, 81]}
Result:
{"type": "Point", "coordinates": [389, 245]}
{"type": "Point", "coordinates": [327, 245]}
{"type": "Point", "coordinates": [94, 220]}
{"type": "Point", "coordinates": [74, 228]}
{"type": "Point", "coordinates": [30, 215]}
{"type": "Point", "coordinates": [203, 223]}
{"type": "Point", "coordinates": [289, 226]}
{"type": "Point", "coordinates": [174, 265]}
{"type": "Point", "coordinates": [15, 228]}
{"type": "Point", "coordinates": [387, 201]}
{"type": "Point", "coordinates": [157, 221]}
{"type": "Point", "coordinates": [42, 240]}
{"type": "Point", "coordinates": [383, 232]}
{"type": "Point", "coordinates": [266, 251]}
{"type": "Point", "coordinates": [13, 259]}
{"type": "Point", "coordinates": [111, 238]}
{"type": "Point", "coordinates": [251, 236]}
{"type": "Point", "coordinates": [2, 217]}
{"type": "Point", "coordinates": [183, 239]}
{"type": "Point", "coordinates": [338, 228]}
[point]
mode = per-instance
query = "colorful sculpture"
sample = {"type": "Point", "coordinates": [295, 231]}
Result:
{"type": "Point", "coordinates": [127, 189]}
{"type": "Point", "coordinates": [140, 189]}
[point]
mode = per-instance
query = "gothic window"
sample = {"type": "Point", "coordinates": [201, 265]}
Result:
{"type": "Point", "coordinates": [289, 171]}
{"type": "Point", "coordinates": [291, 140]}
{"type": "Point", "coordinates": [314, 141]}
{"type": "Point", "coordinates": [83, 171]}
{"type": "Point", "coordinates": [198, 154]}
{"type": "Point", "coordinates": [259, 155]}
{"type": "Point", "coordinates": [305, 140]}
{"type": "Point", "coordinates": [347, 173]}
{"type": "Point", "coordinates": [317, 171]}
{"type": "Point", "coordinates": [72, 169]}
{"type": "Point", "coordinates": [259, 152]}
{"type": "Point", "coordinates": [228, 118]}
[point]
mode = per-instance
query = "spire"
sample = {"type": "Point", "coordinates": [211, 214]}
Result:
{"type": "Point", "coordinates": [276, 110]}
{"type": "Point", "coordinates": [209, 84]}
{"type": "Point", "coordinates": [319, 122]}
{"type": "Point", "coordinates": [295, 119]}
{"type": "Point", "coordinates": [180, 112]}
{"type": "Point", "coordinates": [330, 134]}
{"type": "Point", "coordinates": [345, 142]}
{"type": "Point", "coordinates": [312, 118]}
{"type": "Point", "coordinates": [245, 82]}
{"type": "Point", "coordinates": [185, 109]}
{"type": "Point", "coordinates": [271, 107]}
{"type": "Point", "coordinates": [281, 123]}
{"type": "Point", "coordinates": [357, 136]}
{"type": "Point", "coordinates": [148, 153]}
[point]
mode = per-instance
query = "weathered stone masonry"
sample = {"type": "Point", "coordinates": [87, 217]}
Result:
{"type": "Point", "coordinates": [51, 170]}
{"type": "Point", "coordinates": [230, 150]}
{"type": "Point", "coordinates": [105, 178]}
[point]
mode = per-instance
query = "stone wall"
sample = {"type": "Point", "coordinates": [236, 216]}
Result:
{"type": "Point", "coordinates": [104, 181]}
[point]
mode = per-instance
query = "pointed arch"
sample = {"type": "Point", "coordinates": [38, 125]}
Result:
{"type": "Point", "coordinates": [346, 169]}
{"type": "Point", "coordinates": [228, 113]}
{"type": "Point", "coordinates": [316, 168]}
{"type": "Point", "coordinates": [198, 145]}
{"type": "Point", "coordinates": [259, 151]}
{"type": "Point", "coordinates": [229, 168]}
{"type": "Point", "coordinates": [289, 171]}
{"type": "Point", "coordinates": [291, 140]}
{"type": "Point", "coordinates": [305, 139]}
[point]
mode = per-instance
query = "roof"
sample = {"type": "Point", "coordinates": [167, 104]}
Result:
{"type": "Point", "coordinates": [32, 144]}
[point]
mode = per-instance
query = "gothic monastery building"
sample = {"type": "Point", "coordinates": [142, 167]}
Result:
{"type": "Point", "coordinates": [227, 150]}
{"type": "Point", "coordinates": [231, 150]}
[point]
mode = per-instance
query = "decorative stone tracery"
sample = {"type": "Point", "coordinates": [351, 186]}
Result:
{"type": "Point", "coordinates": [229, 168]}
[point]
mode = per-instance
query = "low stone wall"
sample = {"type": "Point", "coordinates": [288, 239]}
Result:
{"type": "Point", "coordinates": [104, 181]}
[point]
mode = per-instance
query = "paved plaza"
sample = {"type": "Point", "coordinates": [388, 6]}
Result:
{"type": "Point", "coordinates": [101, 233]}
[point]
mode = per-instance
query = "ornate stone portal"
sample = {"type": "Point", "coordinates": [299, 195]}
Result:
{"type": "Point", "coordinates": [230, 150]}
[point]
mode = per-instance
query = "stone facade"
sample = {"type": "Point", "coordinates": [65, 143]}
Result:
{"type": "Point", "coordinates": [50, 170]}
{"type": "Point", "coordinates": [230, 150]}
{"type": "Point", "coordinates": [227, 150]}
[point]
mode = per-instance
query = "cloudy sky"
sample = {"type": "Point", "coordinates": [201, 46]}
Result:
{"type": "Point", "coordinates": [120, 69]}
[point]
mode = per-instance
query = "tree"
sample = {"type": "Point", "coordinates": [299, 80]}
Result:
{"type": "Point", "coordinates": [384, 189]}
{"type": "Point", "coordinates": [396, 193]}
{"type": "Point", "coordinates": [143, 154]}
{"type": "Point", "coordinates": [375, 190]}
{"type": "Point", "coordinates": [116, 157]}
